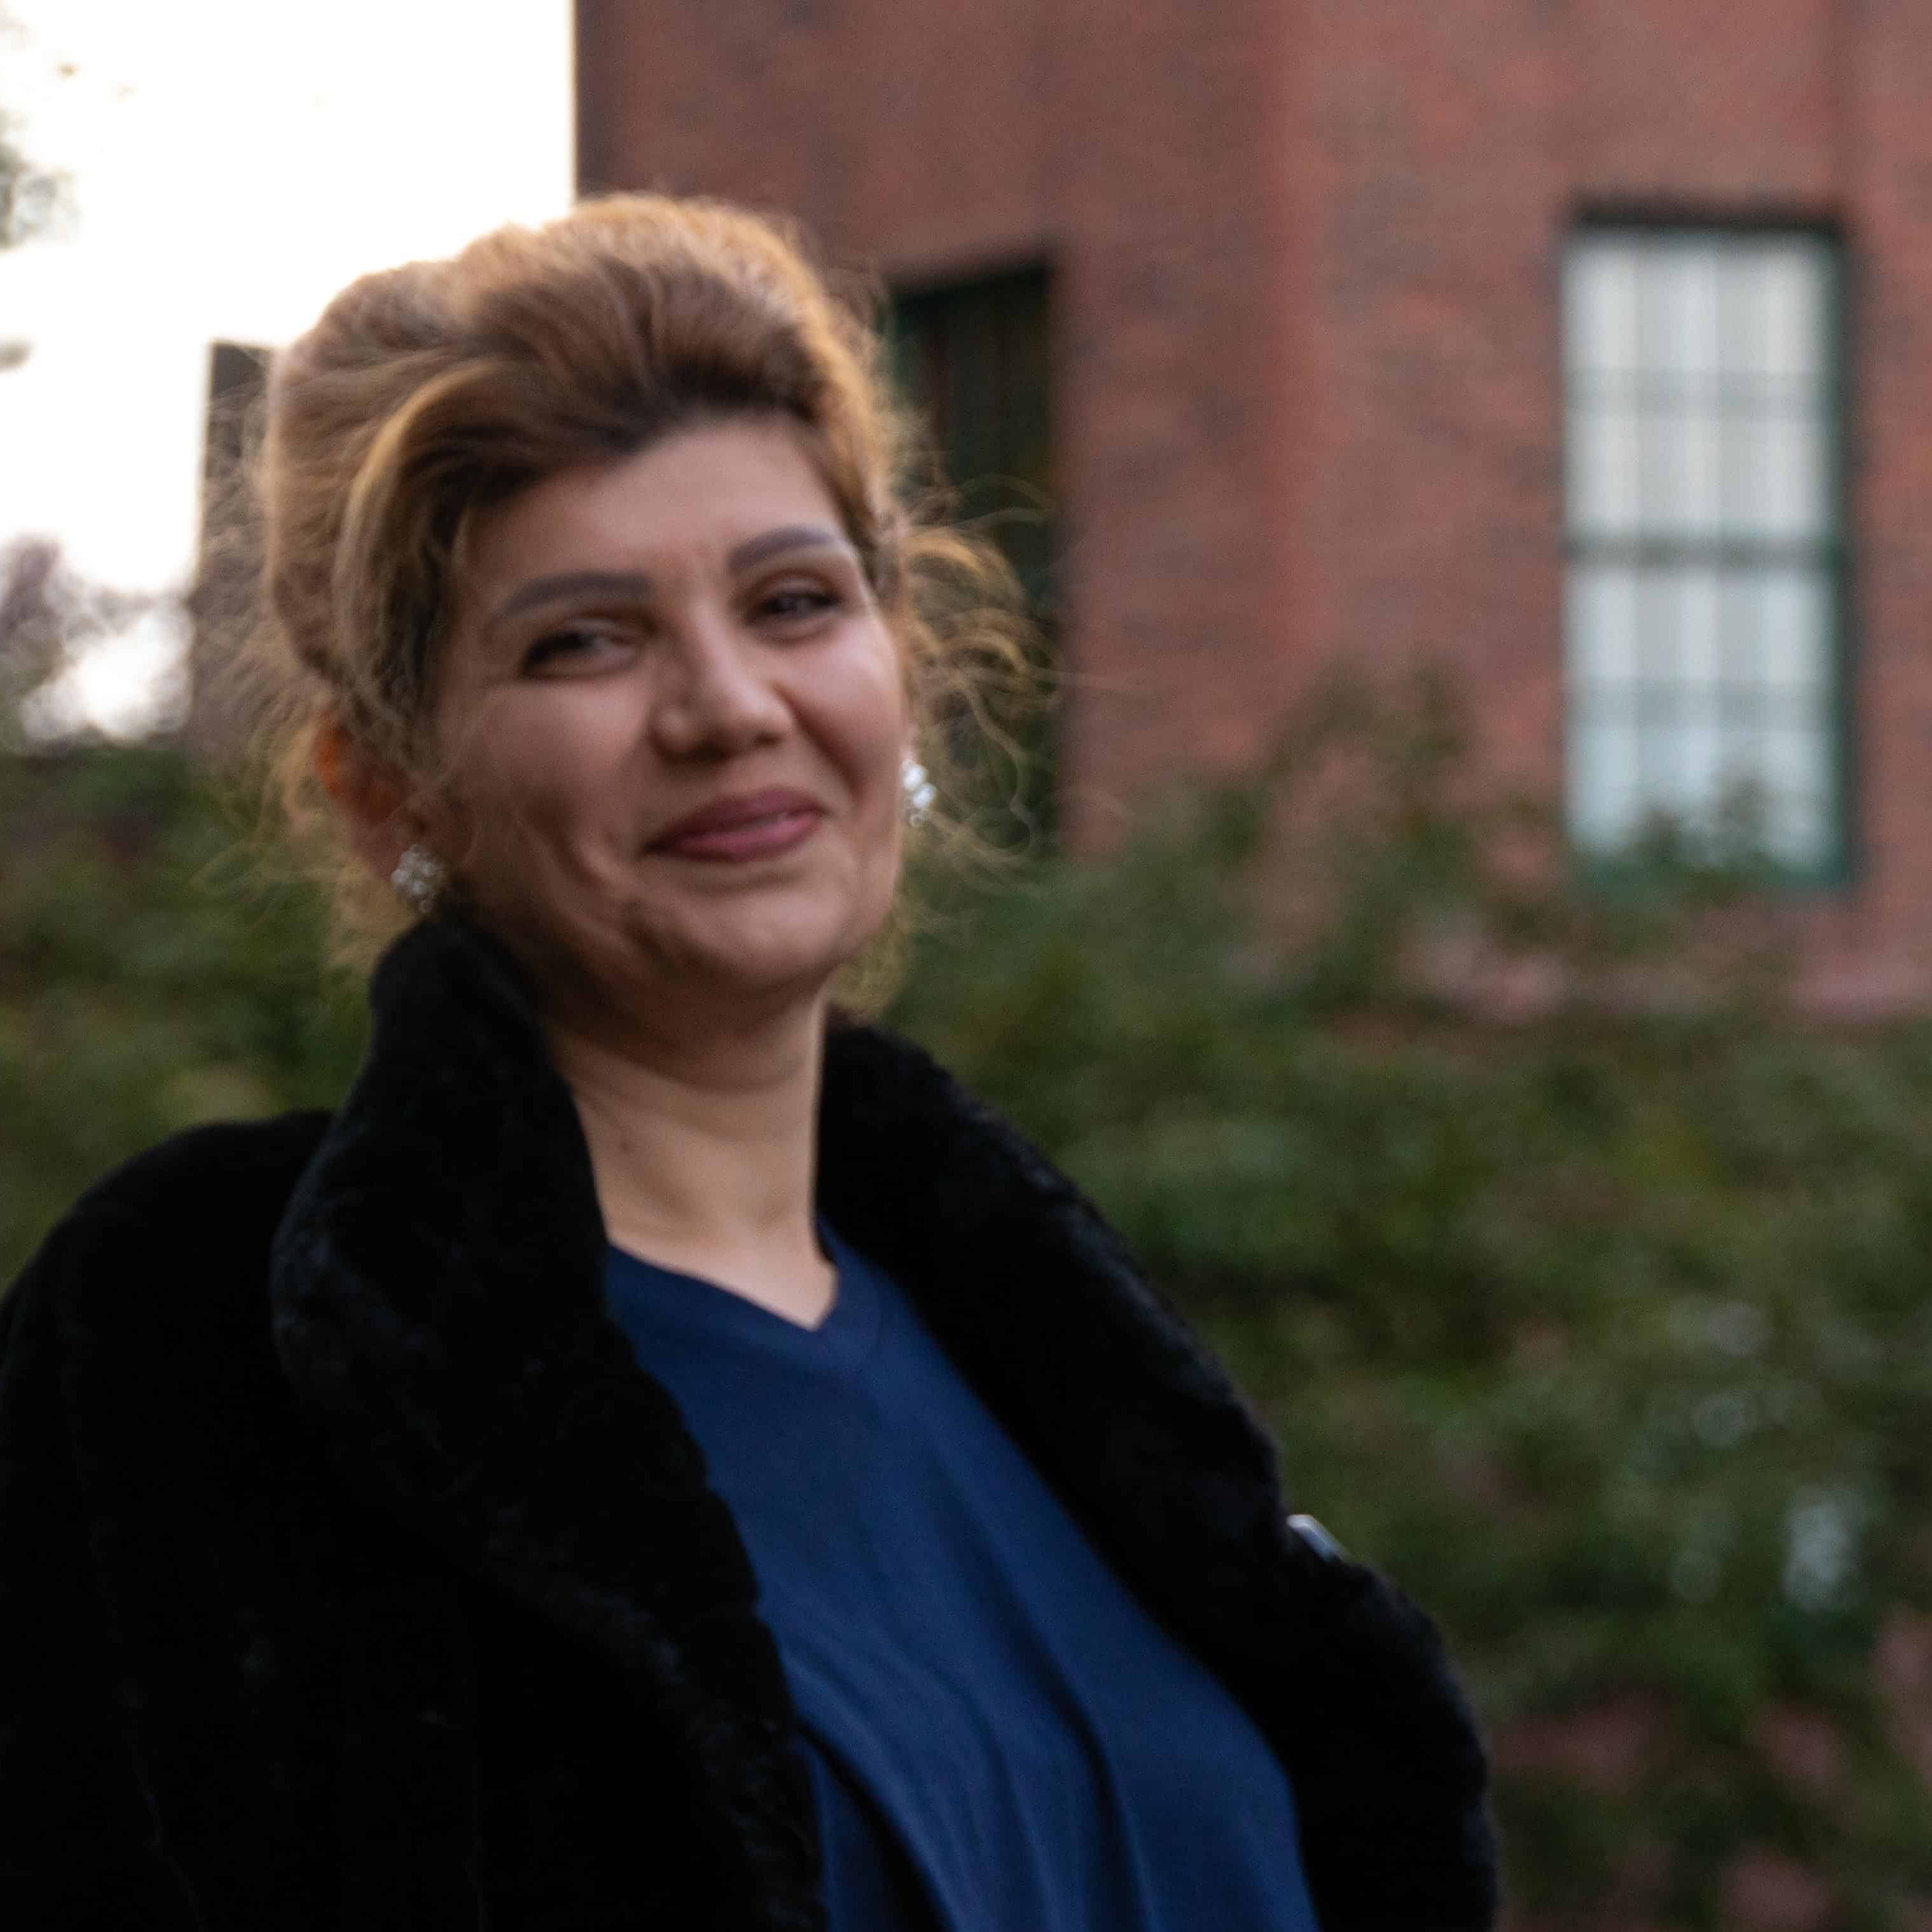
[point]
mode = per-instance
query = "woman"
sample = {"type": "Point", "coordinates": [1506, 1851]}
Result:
{"type": "Point", "coordinates": [660, 1454]}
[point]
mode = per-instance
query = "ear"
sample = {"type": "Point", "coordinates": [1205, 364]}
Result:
{"type": "Point", "coordinates": [376, 803]}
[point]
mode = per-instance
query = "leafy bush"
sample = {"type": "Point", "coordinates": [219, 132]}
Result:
{"type": "Point", "coordinates": [147, 979]}
{"type": "Point", "coordinates": [1582, 1283]}
{"type": "Point", "coordinates": [1604, 1327]}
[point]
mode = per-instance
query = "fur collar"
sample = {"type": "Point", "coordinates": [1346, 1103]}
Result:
{"type": "Point", "coordinates": [436, 1287]}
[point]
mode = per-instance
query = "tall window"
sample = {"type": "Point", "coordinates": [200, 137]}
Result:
{"type": "Point", "coordinates": [1702, 655]}
{"type": "Point", "coordinates": [974, 358]}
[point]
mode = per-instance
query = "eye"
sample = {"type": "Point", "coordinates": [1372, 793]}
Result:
{"type": "Point", "coordinates": [572, 649]}
{"type": "Point", "coordinates": [797, 605]}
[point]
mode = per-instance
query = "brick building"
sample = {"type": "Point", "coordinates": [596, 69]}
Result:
{"type": "Point", "coordinates": [1587, 343]}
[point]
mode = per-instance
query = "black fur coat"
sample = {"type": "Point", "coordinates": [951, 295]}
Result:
{"type": "Point", "coordinates": [352, 1576]}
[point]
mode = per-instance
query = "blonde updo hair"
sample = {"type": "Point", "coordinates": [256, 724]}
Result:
{"type": "Point", "coordinates": [427, 394]}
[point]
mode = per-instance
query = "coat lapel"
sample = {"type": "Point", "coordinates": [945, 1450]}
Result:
{"type": "Point", "coordinates": [1031, 1294]}
{"type": "Point", "coordinates": [1128, 1418]}
{"type": "Point", "coordinates": [437, 1286]}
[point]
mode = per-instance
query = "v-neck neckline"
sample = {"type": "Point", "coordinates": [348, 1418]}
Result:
{"type": "Point", "coordinates": [844, 1336]}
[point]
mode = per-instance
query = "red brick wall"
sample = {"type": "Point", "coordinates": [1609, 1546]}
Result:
{"type": "Point", "coordinates": [1430, 203]}
{"type": "Point", "coordinates": [1727, 107]}
{"type": "Point", "coordinates": [1883, 932]}
{"type": "Point", "coordinates": [1307, 255]}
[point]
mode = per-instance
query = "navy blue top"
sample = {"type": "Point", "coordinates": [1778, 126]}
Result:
{"type": "Point", "coordinates": [999, 1738]}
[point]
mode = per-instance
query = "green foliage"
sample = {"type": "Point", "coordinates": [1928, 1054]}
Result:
{"type": "Point", "coordinates": [1604, 1327]}
{"type": "Point", "coordinates": [147, 981]}
{"type": "Point", "coordinates": [1582, 1284]}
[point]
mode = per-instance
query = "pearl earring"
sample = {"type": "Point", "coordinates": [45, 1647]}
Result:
{"type": "Point", "coordinates": [420, 877]}
{"type": "Point", "coordinates": [918, 792]}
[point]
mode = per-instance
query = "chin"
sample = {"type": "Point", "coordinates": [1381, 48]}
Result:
{"type": "Point", "coordinates": [760, 960]}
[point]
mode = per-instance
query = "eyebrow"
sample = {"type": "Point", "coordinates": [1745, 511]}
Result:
{"type": "Point", "coordinates": [634, 584]}
{"type": "Point", "coordinates": [570, 584]}
{"type": "Point", "coordinates": [793, 536]}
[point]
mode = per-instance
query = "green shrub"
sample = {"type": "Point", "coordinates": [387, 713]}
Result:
{"type": "Point", "coordinates": [148, 980]}
{"type": "Point", "coordinates": [1603, 1326]}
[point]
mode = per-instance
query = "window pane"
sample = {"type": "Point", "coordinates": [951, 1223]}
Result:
{"type": "Point", "coordinates": [1697, 639]}
{"type": "Point", "coordinates": [1783, 481]}
{"type": "Point", "coordinates": [1684, 472]}
{"type": "Point", "coordinates": [1793, 766]}
{"type": "Point", "coordinates": [1603, 469]}
{"type": "Point", "coordinates": [1793, 630]}
{"type": "Point", "coordinates": [1603, 628]}
{"type": "Point", "coordinates": [1600, 297]}
{"type": "Point", "coordinates": [1688, 717]}
{"type": "Point", "coordinates": [1740, 792]}
{"type": "Point", "coordinates": [974, 360]}
{"type": "Point", "coordinates": [1678, 309]}
{"type": "Point", "coordinates": [1658, 614]}
{"type": "Point", "coordinates": [1698, 770]}
{"type": "Point", "coordinates": [1738, 653]}
{"type": "Point", "coordinates": [1605, 795]}
{"type": "Point", "coordinates": [1701, 467]}
{"type": "Point", "coordinates": [1785, 337]}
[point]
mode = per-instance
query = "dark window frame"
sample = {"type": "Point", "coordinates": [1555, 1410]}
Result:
{"type": "Point", "coordinates": [975, 356]}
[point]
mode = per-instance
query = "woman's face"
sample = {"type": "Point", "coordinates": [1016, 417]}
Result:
{"type": "Point", "coordinates": [674, 720]}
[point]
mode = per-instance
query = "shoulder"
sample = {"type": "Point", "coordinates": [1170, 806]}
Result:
{"type": "Point", "coordinates": [196, 1212]}
{"type": "Point", "coordinates": [246, 1163]}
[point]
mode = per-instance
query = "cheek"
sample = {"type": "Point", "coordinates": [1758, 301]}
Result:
{"type": "Point", "coordinates": [539, 772]}
{"type": "Point", "coordinates": [862, 720]}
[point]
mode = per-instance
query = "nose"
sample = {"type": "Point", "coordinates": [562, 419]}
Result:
{"type": "Point", "coordinates": [716, 699]}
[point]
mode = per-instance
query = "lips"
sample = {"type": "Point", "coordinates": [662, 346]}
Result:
{"type": "Point", "coordinates": [754, 825]}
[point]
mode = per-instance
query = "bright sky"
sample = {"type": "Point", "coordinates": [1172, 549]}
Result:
{"type": "Point", "coordinates": [234, 163]}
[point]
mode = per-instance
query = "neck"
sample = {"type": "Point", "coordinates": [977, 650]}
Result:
{"type": "Point", "coordinates": [703, 1147]}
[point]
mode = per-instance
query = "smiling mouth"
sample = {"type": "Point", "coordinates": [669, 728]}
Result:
{"type": "Point", "coordinates": [754, 835]}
